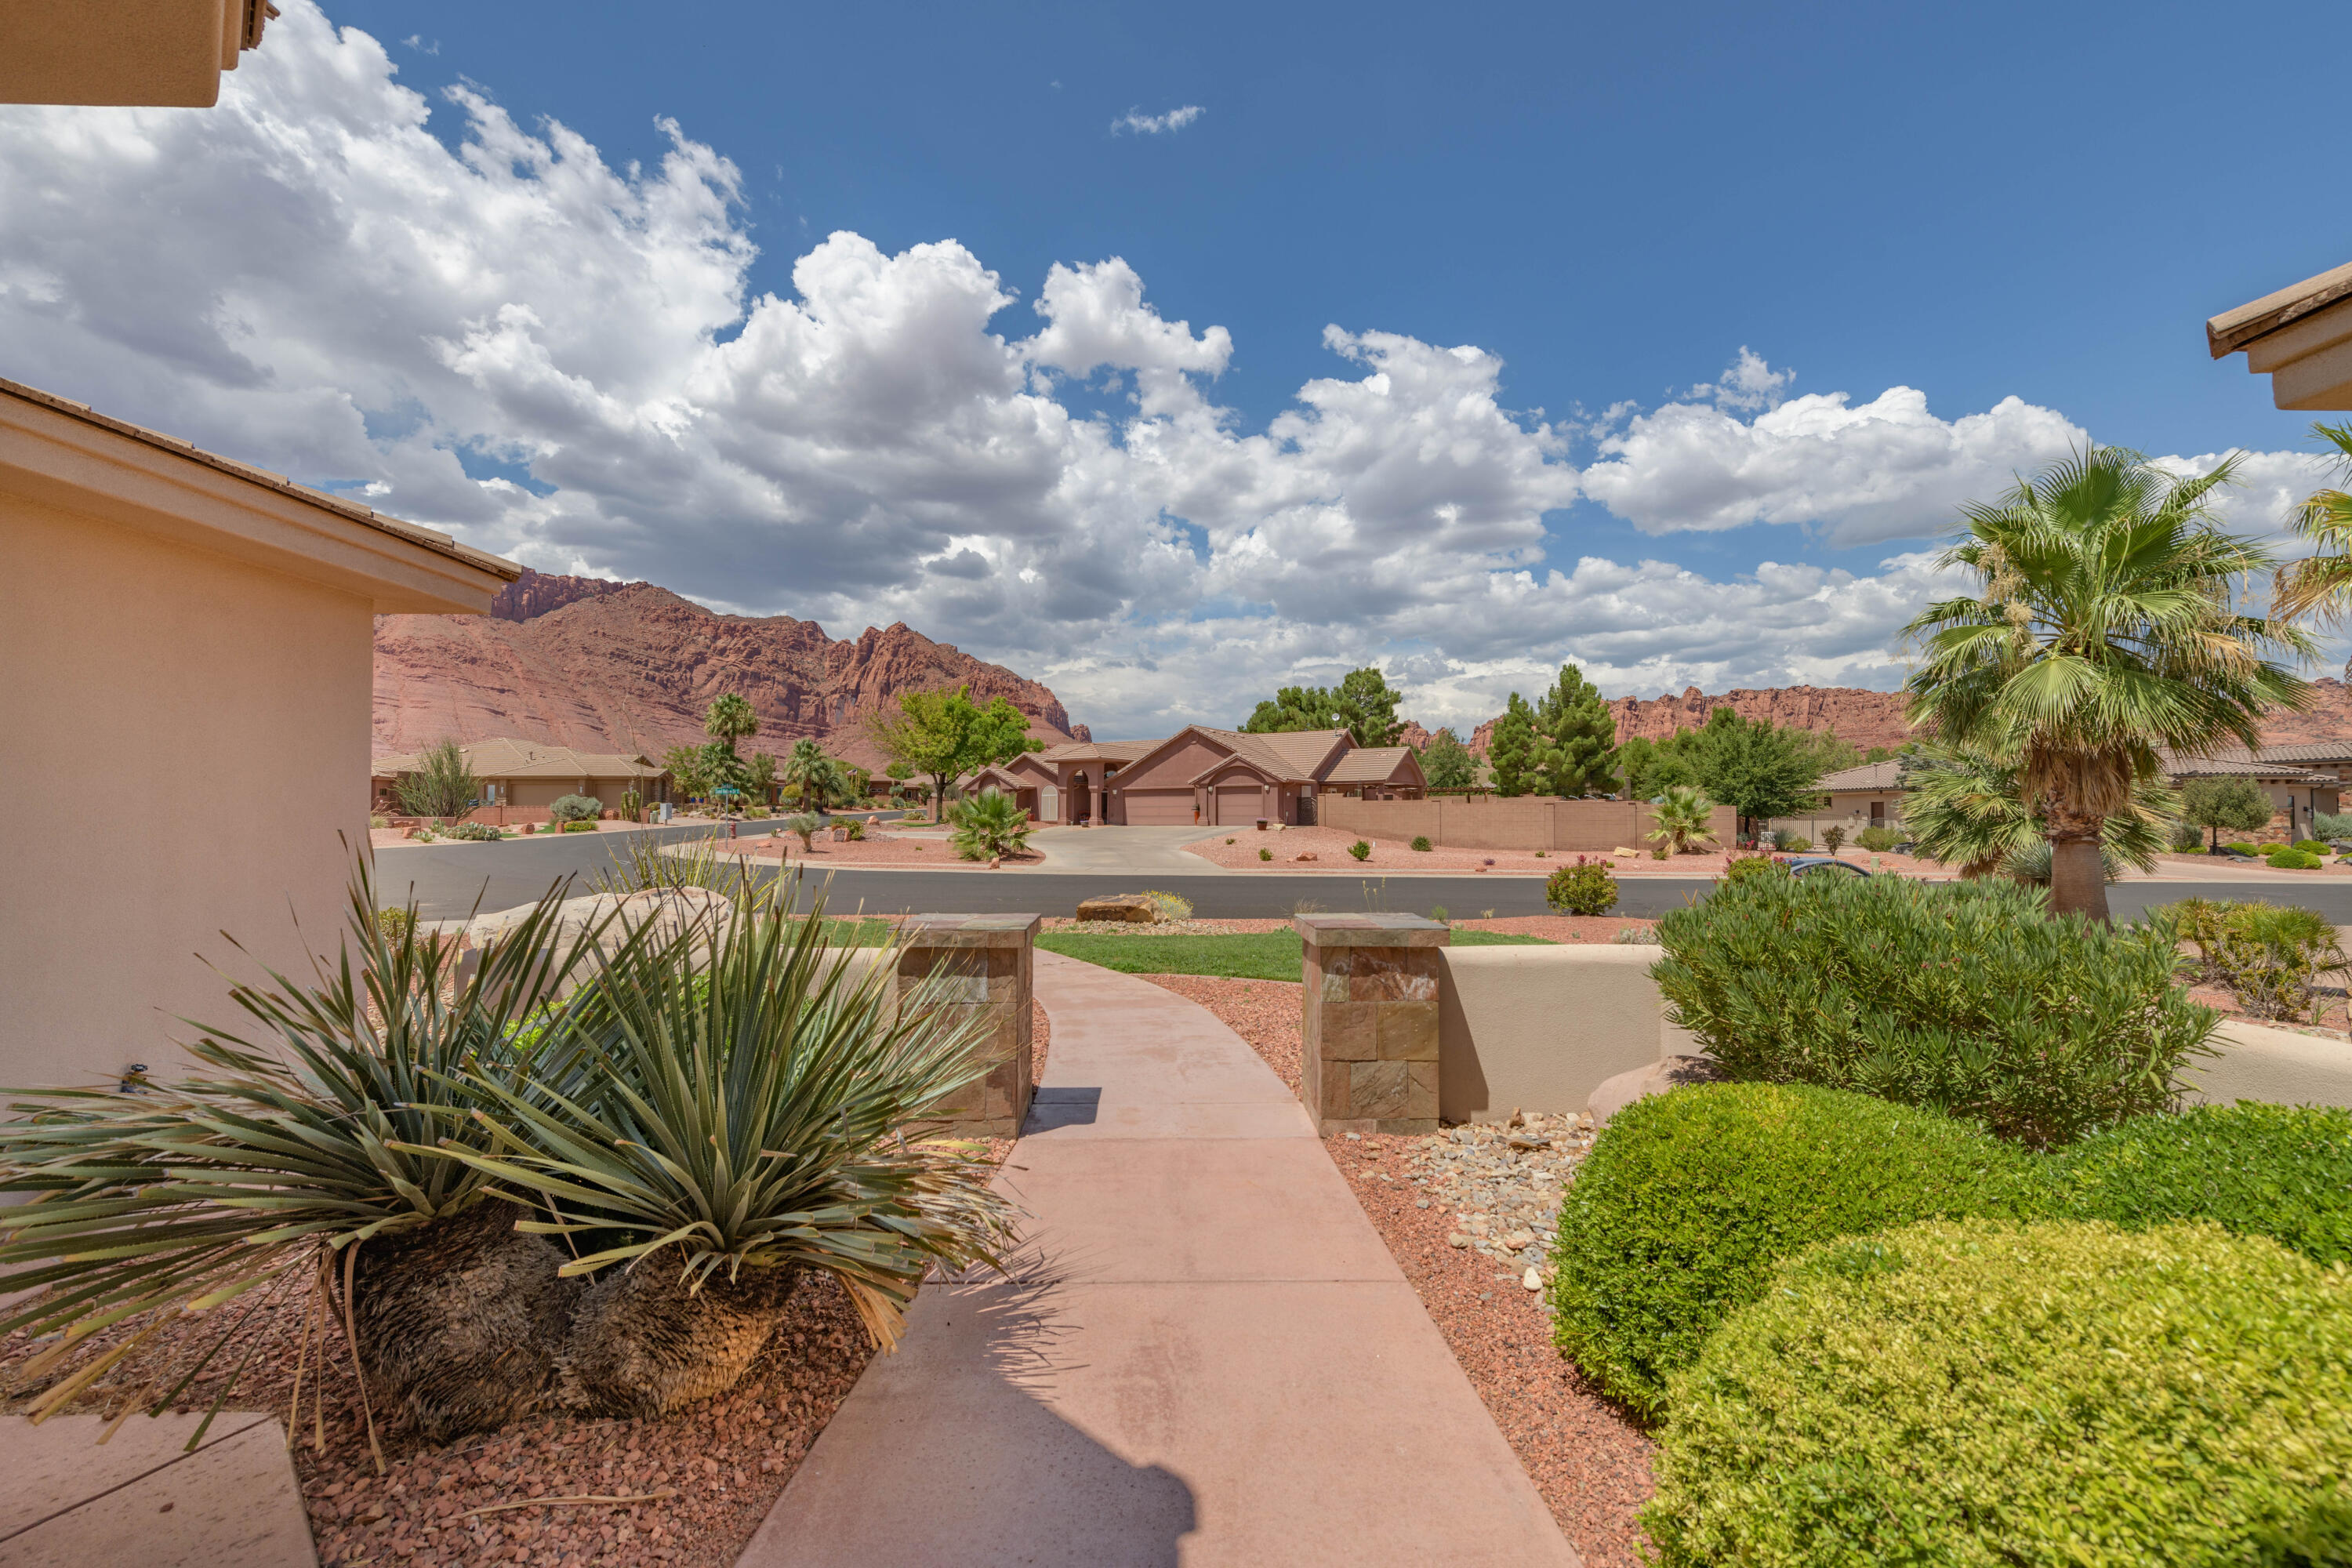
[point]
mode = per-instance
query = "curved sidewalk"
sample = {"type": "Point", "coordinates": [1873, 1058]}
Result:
{"type": "Point", "coordinates": [1206, 1355]}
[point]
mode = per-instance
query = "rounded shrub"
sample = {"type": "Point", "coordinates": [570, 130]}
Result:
{"type": "Point", "coordinates": [1587, 888]}
{"type": "Point", "coordinates": [580, 826]}
{"type": "Point", "coordinates": [1980, 1392]}
{"type": "Point", "coordinates": [2292, 859]}
{"type": "Point", "coordinates": [1421, 842]}
{"type": "Point", "coordinates": [1263, 854]}
{"type": "Point", "coordinates": [2310, 846]}
{"type": "Point", "coordinates": [2280, 1171]}
{"type": "Point", "coordinates": [1688, 1199]}
{"type": "Point", "coordinates": [1877, 840]}
{"type": "Point", "coordinates": [1361, 850]}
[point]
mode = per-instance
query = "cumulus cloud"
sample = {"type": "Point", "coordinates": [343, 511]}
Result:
{"type": "Point", "coordinates": [563, 360]}
{"type": "Point", "coordinates": [1136, 122]}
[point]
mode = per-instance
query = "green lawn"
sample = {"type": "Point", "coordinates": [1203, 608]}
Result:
{"type": "Point", "coordinates": [1255, 955]}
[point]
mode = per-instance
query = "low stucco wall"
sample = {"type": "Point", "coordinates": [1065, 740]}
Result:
{"type": "Point", "coordinates": [1523, 821]}
{"type": "Point", "coordinates": [2280, 1066]}
{"type": "Point", "coordinates": [1537, 1028]}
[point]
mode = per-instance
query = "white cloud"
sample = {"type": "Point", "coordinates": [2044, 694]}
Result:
{"type": "Point", "coordinates": [347, 298]}
{"type": "Point", "coordinates": [1143, 124]}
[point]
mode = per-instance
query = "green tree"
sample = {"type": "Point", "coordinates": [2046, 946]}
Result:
{"type": "Point", "coordinates": [729, 719]}
{"type": "Point", "coordinates": [442, 785]}
{"type": "Point", "coordinates": [2103, 630]}
{"type": "Point", "coordinates": [687, 772]}
{"type": "Point", "coordinates": [1653, 767]}
{"type": "Point", "coordinates": [2319, 586]}
{"type": "Point", "coordinates": [2240, 805]}
{"type": "Point", "coordinates": [722, 770]}
{"type": "Point", "coordinates": [1363, 704]}
{"type": "Point", "coordinates": [1513, 750]}
{"type": "Point", "coordinates": [810, 774]}
{"type": "Point", "coordinates": [946, 735]}
{"type": "Point", "coordinates": [1447, 763]}
{"type": "Point", "coordinates": [763, 772]}
{"type": "Point", "coordinates": [1755, 768]}
{"type": "Point", "coordinates": [1577, 745]}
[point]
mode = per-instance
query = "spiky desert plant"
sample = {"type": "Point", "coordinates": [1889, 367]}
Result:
{"type": "Point", "coordinates": [1967, 810]}
{"type": "Point", "coordinates": [805, 824]}
{"type": "Point", "coordinates": [1685, 818]}
{"type": "Point", "coordinates": [990, 824]}
{"type": "Point", "coordinates": [748, 1122]}
{"type": "Point", "coordinates": [288, 1154]}
{"type": "Point", "coordinates": [443, 785]}
{"type": "Point", "coordinates": [642, 863]}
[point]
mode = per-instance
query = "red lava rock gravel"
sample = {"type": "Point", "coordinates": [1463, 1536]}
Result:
{"type": "Point", "coordinates": [1589, 1462]}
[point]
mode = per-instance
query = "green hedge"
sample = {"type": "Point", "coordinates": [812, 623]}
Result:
{"type": "Point", "coordinates": [2282, 1172]}
{"type": "Point", "coordinates": [1688, 1200]}
{"type": "Point", "coordinates": [1962, 996]}
{"type": "Point", "coordinates": [2060, 1394]}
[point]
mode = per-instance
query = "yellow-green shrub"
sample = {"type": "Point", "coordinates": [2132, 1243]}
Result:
{"type": "Point", "coordinates": [1975, 1394]}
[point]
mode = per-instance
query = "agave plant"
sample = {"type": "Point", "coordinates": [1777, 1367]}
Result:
{"type": "Point", "coordinates": [1685, 818]}
{"type": "Point", "coordinates": [989, 825]}
{"type": "Point", "coordinates": [745, 1120]}
{"type": "Point", "coordinates": [295, 1146]}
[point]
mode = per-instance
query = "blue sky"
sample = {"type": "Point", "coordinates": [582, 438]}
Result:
{"type": "Point", "coordinates": [2039, 202]}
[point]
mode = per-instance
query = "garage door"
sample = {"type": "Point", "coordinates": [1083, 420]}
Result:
{"type": "Point", "coordinates": [1238, 806]}
{"type": "Point", "coordinates": [1159, 807]}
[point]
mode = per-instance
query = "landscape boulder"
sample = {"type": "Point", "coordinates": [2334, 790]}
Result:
{"type": "Point", "coordinates": [1132, 908]}
{"type": "Point", "coordinates": [1614, 1094]}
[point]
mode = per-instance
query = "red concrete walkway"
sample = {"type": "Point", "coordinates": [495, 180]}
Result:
{"type": "Point", "coordinates": [1206, 1356]}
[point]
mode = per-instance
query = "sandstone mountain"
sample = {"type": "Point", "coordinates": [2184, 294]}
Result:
{"type": "Point", "coordinates": [629, 667]}
{"type": "Point", "coordinates": [1868, 718]}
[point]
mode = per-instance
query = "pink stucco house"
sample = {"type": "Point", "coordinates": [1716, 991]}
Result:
{"type": "Point", "coordinates": [1212, 777]}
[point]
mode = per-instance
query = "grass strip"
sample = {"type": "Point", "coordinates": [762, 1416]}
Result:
{"type": "Point", "coordinates": [1248, 955]}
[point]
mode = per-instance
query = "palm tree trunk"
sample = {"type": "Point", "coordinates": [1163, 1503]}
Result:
{"type": "Point", "coordinates": [2078, 874]}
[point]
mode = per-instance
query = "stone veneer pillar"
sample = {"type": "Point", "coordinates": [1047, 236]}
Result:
{"type": "Point", "coordinates": [1369, 1061]}
{"type": "Point", "coordinates": [981, 968]}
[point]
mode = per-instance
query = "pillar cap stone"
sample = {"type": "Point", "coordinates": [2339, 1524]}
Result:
{"type": "Point", "coordinates": [970, 931]}
{"type": "Point", "coordinates": [1371, 930]}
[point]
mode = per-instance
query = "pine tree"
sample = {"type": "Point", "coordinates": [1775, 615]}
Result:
{"type": "Point", "coordinates": [1579, 736]}
{"type": "Point", "coordinates": [1514, 752]}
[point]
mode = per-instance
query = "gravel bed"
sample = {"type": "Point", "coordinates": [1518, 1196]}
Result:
{"type": "Point", "coordinates": [1486, 1185]}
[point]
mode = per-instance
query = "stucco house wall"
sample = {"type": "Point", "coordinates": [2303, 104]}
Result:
{"type": "Point", "coordinates": [160, 604]}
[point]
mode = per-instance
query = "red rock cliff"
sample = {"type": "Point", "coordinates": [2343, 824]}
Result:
{"type": "Point", "coordinates": [630, 667]}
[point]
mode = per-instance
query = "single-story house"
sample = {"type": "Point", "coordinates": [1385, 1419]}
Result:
{"type": "Point", "coordinates": [520, 779]}
{"type": "Point", "coordinates": [1870, 796]}
{"type": "Point", "coordinates": [1220, 777]}
{"type": "Point", "coordinates": [1028, 778]}
{"type": "Point", "coordinates": [163, 602]}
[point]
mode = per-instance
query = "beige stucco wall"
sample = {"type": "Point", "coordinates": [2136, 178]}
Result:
{"type": "Point", "coordinates": [1524, 822]}
{"type": "Point", "coordinates": [2280, 1066]}
{"type": "Point", "coordinates": [1537, 1028]}
{"type": "Point", "coordinates": [161, 52]}
{"type": "Point", "coordinates": [199, 727]}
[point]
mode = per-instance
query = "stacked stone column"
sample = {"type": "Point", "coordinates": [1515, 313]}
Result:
{"type": "Point", "coordinates": [978, 968]}
{"type": "Point", "coordinates": [1370, 1062]}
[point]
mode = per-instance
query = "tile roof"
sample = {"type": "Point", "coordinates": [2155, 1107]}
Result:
{"type": "Point", "coordinates": [2294, 751]}
{"type": "Point", "coordinates": [2233, 329]}
{"type": "Point", "coordinates": [1100, 751]}
{"type": "Point", "coordinates": [415, 533]}
{"type": "Point", "coordinates": [1868, 776]}
{"type": "Point", "coordinates": [1290, 756]}
{"type": "Point", "coordinates": [1366, 765]}
{"type": "Point", "coordinates": [507, 758]}
{"type": "Point", "coordinates": [2245, 767]}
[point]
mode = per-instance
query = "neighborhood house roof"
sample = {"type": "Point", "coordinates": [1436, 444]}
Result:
{"type": "Point", "coordinates": [2231, 330]}
{"type": "Point", "coordinates": [1367, 764]}
{"type": "Point", "coordinates": [1100, 751]}
{"type": "Point", "coordinates": [2294, 751]}
{"type": "Point", "coordinates": [1288, 757]}
{"type": "Point", "coordinates": [1883, 775]}
{"type": "Point", "coordinates": [2243, 767]}
{"type": "Point", "coordinates": [507, 758]}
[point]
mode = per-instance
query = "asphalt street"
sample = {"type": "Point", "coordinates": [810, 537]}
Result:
{"type": "Point", "coordinates": [452, 880]}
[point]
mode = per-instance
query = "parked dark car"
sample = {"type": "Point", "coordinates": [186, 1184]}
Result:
{"type": "Point", "coordinates": [1811, 865]}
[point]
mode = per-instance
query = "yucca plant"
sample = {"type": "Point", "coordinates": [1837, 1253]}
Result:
{"type": "Point", "coordinates": [290, 1154]}
{"type": "Point", "coordinates": [747, 1120]}
{"type": "Point", "coordinates": [641, 864]}
{"type": "Point", "coordinates": [989, 825]}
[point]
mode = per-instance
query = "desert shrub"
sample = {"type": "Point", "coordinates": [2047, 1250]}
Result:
{"type": "Point", "coordinates": [2270, 956]}
{"type": "Point", "coordinates": [575, 808]}
{"type": "Point", "coordinates": [1978, 1393]}
{"type": "Point", "coordinates": [755, 813]}
{"type": "Point", "coordinates": [805, 823]}
{"type": "Point", "coordinates": [1421, 842]}
{"type": "Point", "coordinates": [1438, 913]}
{"type": "Point", "coordinates": [2288, 858]}
{"type": "Point", "coordinates": [475, 833]}
{"type": "Point", "coordinates": [1660, 852]}
{"type": "Point", "coordinates": [1229, 841]}
{"type": "Point", "coordinates": [2331, 824]}
{"type": "Point", "coordinates": [2242, 848]}
{"type": "Point", "coordinates": [1790, 842]}
{"type": "Point", "coordinates": [856, 829]}
{"type": "Point", "coordinates": [1263, 854]}
{"type": "Point", "coordinates": [1361, 850]}
{"type": "Point", "coordinates": [394, 922]}
{"type": "Point", "coordinates": [1739, 868]}
{"type": "Point", "coordinates": [1587, 888]}
{"type": "Point", "coordinates": [2280, 1171]}
{"type": "Point", "coordinates": [2188, 837]}
{"type": "Point", "coordinates": [1877, 840]}
{"type": "Point", "coordinates": [2311, 846]}
{"type": "Point", "coordinates": [1171, 906]}
{"type": "Point", "coordinates": [588, 827]}
{"type": "Point", "coordinates": [988, 824]}
{"type": "Point", "coordinates": [1541, 854]}
{"type": "Point", "coordinates": [374, 822]}
{"type": "Point", "coordinates": [1688, 1199]}
{"type": "Point", "coordinates": [1636, 936]}
{"type": "Point", "coordinates": [443, 786]}
{"type": "Point", "coordinates": [1832, 837]}
{"type": "Point", "coordinates": [1963, 997]}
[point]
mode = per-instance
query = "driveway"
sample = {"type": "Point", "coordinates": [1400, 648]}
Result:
{"type": "Point", "coordinates": [1138, 851]}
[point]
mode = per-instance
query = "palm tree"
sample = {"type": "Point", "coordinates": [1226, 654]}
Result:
{"type": "Point", "coordinates": [2320, 586]}
{"type": "Point", "coordinates": [2103, 632]}
{"type": "Point", "coordinates": [988, 825]}
{"type": "Point", "coordinates": [729, 719]}
{"type": "Point", "coordinates": [762, 776]}
{"type": "Point", "coordinates": [809, 772]}
{"type": "Point", "coordinates": [1968, 811]}
{"type": "Point", "coordinates": [1685, 818]}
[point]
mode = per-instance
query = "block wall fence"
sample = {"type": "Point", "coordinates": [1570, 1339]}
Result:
{"type": "Point", "coordinates": [1524, 822]}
